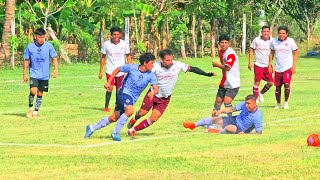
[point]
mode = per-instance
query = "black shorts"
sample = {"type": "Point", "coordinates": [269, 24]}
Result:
{"type": "Point", "coordinates": [42, 85]}
{"type": "Point", "coordinates": [222, 92]}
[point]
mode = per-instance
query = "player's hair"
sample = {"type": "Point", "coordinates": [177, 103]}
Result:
{"type": "Point", "coordinates": [115, 29]}
{"type": "Point", "coordinates": [164, 52]}
{"type": "Point", "coordinates": [146, 57]}
{"type": "Point", "coordinates": [250, 97]}
{"type": "Point", "coordinates": [223, 37]}
{"type": "Point", "coordinates": [40, 31]}
{"type": "Point", "coordinates": [283, 28]}
{"type": "Point", "coordinates": [265, 27]}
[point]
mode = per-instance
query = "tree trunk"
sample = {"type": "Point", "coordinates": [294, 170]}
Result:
{"type": "Point", "coordinates": [6, 32]}
{"type": "Point", "coordinates": [213, 38]}
{"type": "Point", "coordinates": [142, 26]}
{"type": "Point", "coordinates": [164, 34]}
{"type": "Point", "coordinates": [193, 27]}
{"type": "Point", "coordinates": [183, 48]}
{"type": "Point", "coordinates": [202, 36]}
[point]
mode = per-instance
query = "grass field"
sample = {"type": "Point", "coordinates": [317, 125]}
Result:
{"type": "Point", "coordinates": [52, 146]}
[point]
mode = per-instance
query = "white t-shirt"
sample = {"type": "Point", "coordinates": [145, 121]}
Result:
{"type": "Point", "coordinates": [115, 54]}
{"type": "Point", "coordinates": [230, 79]}
{"type": "Point", "coordinates": [167, 78]}
{"type": "Point", "coordinates": [261, 51]}
{"type": "Point", "coordinates": [283, 53]}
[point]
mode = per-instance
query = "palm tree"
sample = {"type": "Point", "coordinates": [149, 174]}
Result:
{"type": "Point", "coordinates": [9, 16]}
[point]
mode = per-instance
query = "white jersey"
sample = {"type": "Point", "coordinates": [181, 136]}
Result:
{"type": "Point", "coordinates": [230, 79]}
{"type": "Point", "coordinates": [261, 51]}
{"type": "Point", "coordinates": [115, 54]}
{"type": "Point", "coordinates": [167, 78]}
{"type": "Point", "coordinates": [283, 53]}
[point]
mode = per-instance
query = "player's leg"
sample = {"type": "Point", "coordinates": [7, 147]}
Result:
{"type": "Point", "coordinates": [229, 125]}
{"type": "Point", "coordinates": [145, 107]}
{"type": "Point", "coordinates": [219, 99]}
{"type": "Point", "coordinates": [258, 74]}
{"type": "Point", "coordinates": [33, 91]}
{"type": "Point", "coordinates": [278, 83]}
{"type": "Point", "coordinates": [269, 79]}
{"type": "Point", "coordinates": [108, 94]}
{"type": "Point", "coordinates": [203, 122]}
{"type": "Point", "coordinates": [286, 80]}
{"type": "Point", "coordinates": [42, 87]}
{"type": "Point", "coordinates": [230, 95]}
{"type": "Point", "coordinates": [230, 129]}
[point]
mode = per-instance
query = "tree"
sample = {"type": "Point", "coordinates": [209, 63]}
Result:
{"type": "Point", "coordinates": [6, 33]}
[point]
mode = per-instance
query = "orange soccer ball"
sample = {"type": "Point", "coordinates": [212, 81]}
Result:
{"type": "Point", "coordinates": [313, 140]}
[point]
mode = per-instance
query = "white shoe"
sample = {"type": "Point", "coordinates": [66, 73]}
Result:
{"type": "Point", "coordinates": [35, 114]}
{"type": "Point", "coordinates": [286, 105]}
{"type": "Point", "coordinates": [257, 101]}
{"type": "Point", "coordinates": [29, 113]}
{"type": "Point", "coordinates": [278, 106]}
{"type": "Point", "coordinates": [261, 97]}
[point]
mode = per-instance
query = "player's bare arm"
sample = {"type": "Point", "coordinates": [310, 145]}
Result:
{"type": "Point", "coordinates": [155, 90]}
{"type": "Point", "coordinates": [270, 61]}
{"type": "Point", "coordinates": [201, 72]}
{"type": "Point", "coordinates": [25, 67]}
{"type": "Point", "coordinates": [250, 66]}
{"type": "Point", "coordinates": [55, 66]}
{"type": "Point", "coordinates": [224, 111]}
{"type": "Point", "coordinates": [107, 85]}
{"type": "Point", "coordinates": [295, 60]}
{"type": "Point", "coordinates": [129, 58]}
{"type": "Point", "coordinates": [221, 66]}
{"type": "Point", "coordinates": [102, 62]}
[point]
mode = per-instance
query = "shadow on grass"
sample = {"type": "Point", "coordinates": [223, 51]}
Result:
{"type": "Point", "coordinates": [92, 108]}
{"type": "Point", "coordinates": [19, 114]}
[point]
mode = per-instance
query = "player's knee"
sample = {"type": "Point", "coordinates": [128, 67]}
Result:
{"type": "Point", "coordinates": [286, 85]}
{"type": "Point", "coordinates": [231, 129]}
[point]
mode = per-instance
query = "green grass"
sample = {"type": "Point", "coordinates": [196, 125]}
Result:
{"type": "Point", "coordinates": [165, 150]}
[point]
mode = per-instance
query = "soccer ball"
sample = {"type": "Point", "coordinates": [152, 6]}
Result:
{"type": "Point", "coordinates": [313, 140]}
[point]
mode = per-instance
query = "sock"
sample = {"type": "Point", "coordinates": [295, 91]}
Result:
{"type": "Point", "coordinates": [121, 122]}
{"type": "Point", "coordinates": [278, 94]}
{"type": "Point", "coordinates": [108, 97]}
{"type": "Point", "coordinates": [265, 88]}
{"type": "Point", "coordinates": [38, 103]}
{"type": "Point", "coordinates": [31, 98]}
{"type": "Point", "coordinates": [204, 121]}
{"type": "Point", "coordinates": [255, 91]}
{"type": "Point", "coordinates": [102, 123]}
{"type": "Point", "coordinates": [286, 91]}
{"type": "Point", "coordinates": [228, 106]}
{"type": "Point", "coordinates": [144, 124]}
{"type": "Point", "coordinates": [136, 116]}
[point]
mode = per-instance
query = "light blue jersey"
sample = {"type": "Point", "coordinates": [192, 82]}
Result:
{"type": "Point", "coordinates": [39, 57]}
{"type": "Point", "coordinates": [248, 120]}
{"type": "Point", "coordinates": [136, 81]}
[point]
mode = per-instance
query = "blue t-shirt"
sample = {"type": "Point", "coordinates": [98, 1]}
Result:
{"type": "Point", "coordinates": [136, 81]}
{"type": "Point", "coordinates": [39, 57]}
{"type": "Point", "coordinates": [248, 121]}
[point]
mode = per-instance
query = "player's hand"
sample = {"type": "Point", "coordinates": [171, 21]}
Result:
{"type": "Point", "coordinates": [250, 67]}
{"type": "Point", "coordinates": [216, 112]}
{"type": "Point", "coordinates": [25, 78]}
{"type": "Point", "coordinates": [215, 64]}
{"type": "Point", "coordinates": [211, 74]}
{"type": "Point", "coordinates": [151, 95]}
{"type": "Point", "coordinates": [100, 75]}
{"type": "Point", "coordinates": [55, 73]}
{"type": "Point", "coordinates": [270, 69]}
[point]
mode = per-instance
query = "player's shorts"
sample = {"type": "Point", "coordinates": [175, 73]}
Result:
{"type": "Point", "coordinates": [123, 100]}
{"type": "Point", "coordinates": [262, 73]}
{"type": "Point", "coordinates": [116, 81]}
{"type": "Point", "coordinates": [231, 121]}
{"type": "Point", "coordinates": [160, 104]}
{"type": "Point", "coordinates": [42, 85]}
{"type": "Point", "coordinates": [222, 92]}
{"type": "Point", "coordinates": [283, 77]}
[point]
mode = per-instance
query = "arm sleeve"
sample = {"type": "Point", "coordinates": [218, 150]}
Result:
{"type": "Point", "coordinates": [125, 68]}
{"type": "Point", "coordinates": [26, 54]}
{"type": "Point", "coordinates": [253, 44]}
{"type": "Point", "coordinates": [153, 79]}
{"type": "Point", "coordinates": [238, 107]}
{"type": "Point", "coordinates": [52, 52]}
{"type": "Point", "coordinates": [294, 45]}
{"type": "Point", "coordinates": [231, 58]}
{"type": "Point", "coordinates": [271, 44]}
{"type": "Point", "coordinates": [258, 124]}
{"type": "Point", "coordinates": [199, 71]}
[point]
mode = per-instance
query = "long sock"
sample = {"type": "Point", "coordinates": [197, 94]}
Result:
{"type": "Point", "coordinates": [38, 103]}
{"type": "Point", "coordinates": [144, 124]}
{"type": "Point", "coordinates": [121, 122]}
{"type": "Point", "coordinates": [265, 88]}
{"type": "Point", "coordinates": [31, 98]}
{"type": "Point", "coordinates": [137, 116]}
{"type": "Point", "coordinates": [216, 107]}
{"type": "Point", "coordinates": [286, 91]}
{"type": "Point", "coordinates": [278, 94]}
{"type": "Point", "coordinates": [102, 123]}
{"type": "Point", "coordinates": [255, 90]}
{"type": "Point", "coordinates": [204, 121]}
{"type": "Point", "coordinates": [228, 106]}
{"type": "Point", "coordinates": [108, 97]}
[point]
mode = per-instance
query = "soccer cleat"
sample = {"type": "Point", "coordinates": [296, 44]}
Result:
{"type": "Point", "coordinates": [116, 136]}
{"type": "Point", "coordinates": [261, 99]}
{"type": "Point", "coordinates": [88, 132]}
{"type": "Point", "coordinates": [189, 125]}
{"type": "Point", "coordinates": [285, 105]}
{"type": "Point", "coordinates": [132, 132]}
{"type": "Point", "coordinates": [131, 123]}
{"type": "Point", "coordinates": [278, 106]}
{"type": "Point", "coordinates": [106, 109]}
{"type": "Point", "coordinates": [29, 113]}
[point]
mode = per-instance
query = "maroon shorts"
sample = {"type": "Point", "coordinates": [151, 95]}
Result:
{"type": "Point", "coordinates": [283, 77]}
{"type": "Point", "coordinates": [116, 81]}
{"type": "Point", "coordinates": [262, 73]}
{"type": "Point", "coordinates": [160, 104]}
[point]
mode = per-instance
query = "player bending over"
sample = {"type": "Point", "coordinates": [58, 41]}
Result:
{"type": "Point", "coordinates": [249, 118]}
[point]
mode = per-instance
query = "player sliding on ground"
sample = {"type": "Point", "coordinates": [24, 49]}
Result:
{"type": "Point", "coordinates": [134, 83]}
{"type": "Point", "coordinates": [167, 71]}
{"type": "Point", "coordinates": [249, 118]}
